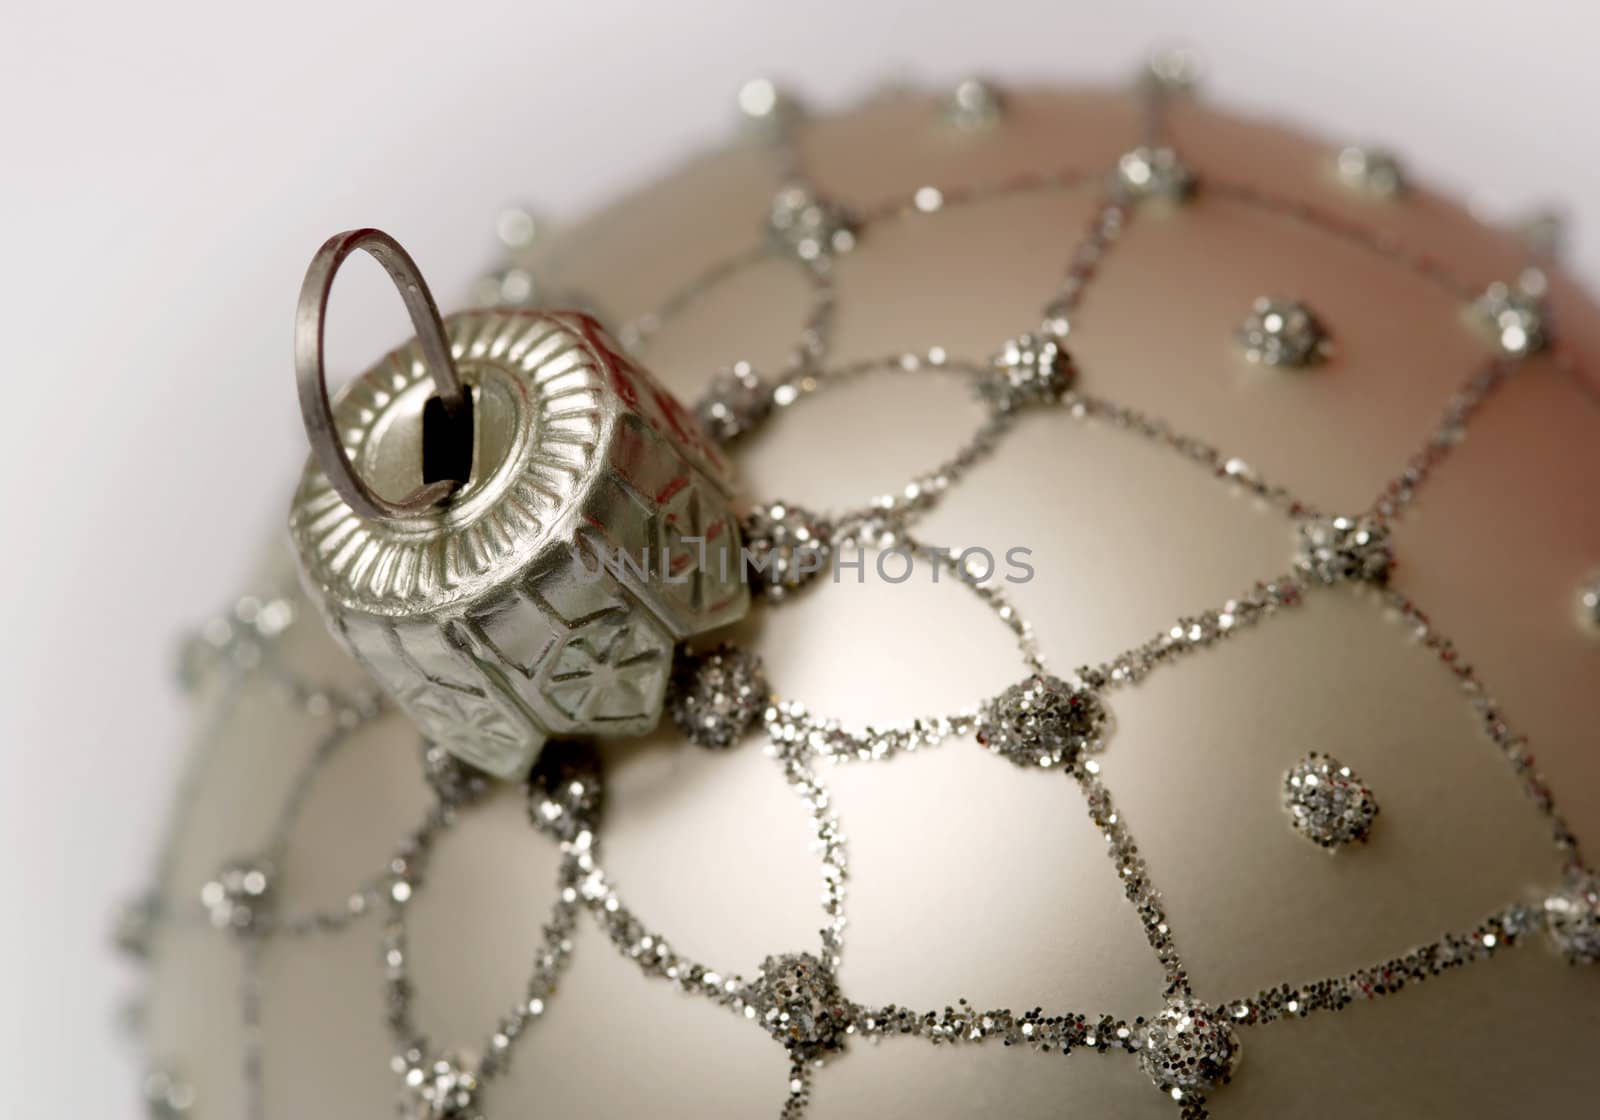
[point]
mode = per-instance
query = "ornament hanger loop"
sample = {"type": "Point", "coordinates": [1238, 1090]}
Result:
{"type": "Point", "coordinates": [310, 319]}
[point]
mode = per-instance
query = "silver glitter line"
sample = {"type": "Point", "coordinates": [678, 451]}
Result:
{"type": "Point", "coordinates": [798, 1096]}
{"type": "Point", "coordinates": [1229, 469]}
{"type": "Point", "coordinates": [1135, 876]}
{"type": "Point", "coordinates": [650, 951]}
{"type": "Point", "coordinates": [792, 727]}
{"type": "Point", "coordinates": [636, 333]}
{"type": "Point", "coordinates": [1381, 242]}
{"type": "Point", "coordinates": [1108, 224]}
{"type": "Point", "coordinates": [1512, 744]}
{"type": "Point", "coordinates": [920, 204]}
{"type": "Point", "coordinates": [812, 348]}
{"type": "Point", "coordinates": [196, 765]}
{"type": "Point", "coordinates": [1199, 632]}
{"type": "Point", "coordinates": [829, 841]}
{"type": "Point", "coordinates": [1499, 931]}
{"type": "Point", "coordinates": [255, 1107]}
{"type": "Point", "coordinates": [1463, 405]}
{"type": "Point", "coordinates": [1061, 1032]}
{"type": "Point", "coordinates": [1568, 366]}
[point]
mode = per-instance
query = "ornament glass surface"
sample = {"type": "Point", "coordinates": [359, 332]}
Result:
{"type": "Point", "coordinates": [1171, 531]}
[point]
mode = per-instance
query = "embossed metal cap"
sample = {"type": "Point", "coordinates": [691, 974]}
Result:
{"type": "Point", "coordinates": [539, 592]}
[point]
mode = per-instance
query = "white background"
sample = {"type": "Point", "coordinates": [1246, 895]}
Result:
{"type": "Point", "coordinates": [169, 169]}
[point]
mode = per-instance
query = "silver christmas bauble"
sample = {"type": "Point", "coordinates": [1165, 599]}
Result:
{"type": "Point", "coordinates": [1175, 558]}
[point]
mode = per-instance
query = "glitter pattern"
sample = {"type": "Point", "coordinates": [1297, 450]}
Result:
{"type": "Point", "coordinates": [1513, 316]}
{"type": "Point", "coordinates": [1589, 603]}
{"type": "Point", "coordinates": [564, 790]}
{"type": "Point", "coordinates": [808, 226]}
{"type": "Point", "coordinates": [1035, 369]}
{"type": "Point", "coordinates": [973, 105]}
{"type": "Point", "coordinates": [798, 1002]}
{"type": "Point", "coordinates": [1371, 171]}
{"type": "Point", "coordinates": [239, 895]}
{"type": "Point", "coordinates": [1043, 721]}
{"type": "Point", "coordinates": [1146, 173]}
{"type": "Point", "coordinates": [452, 780]}
{"type": "Point", "coordinates": [1188, 1048]}
{"type": "Point", "coordinates": [1283, 333]}
{"type": "Point", "coordinates": [442, 1090]}
{"type": "Point", "coordinates": [1336, 549]}
{"type": "Point", "coordinates": [1573, 919]}
{"type": "Point", "coordinates": [1327, 803]}
{"type": "Point", "coordinates": [716, 697]}
{"type": "Point", "coordinates": [767, 111]}
{"type": "Point", "coordinates": [787, 546]}
{"type": "Point", "coordinates": [735, 402]}
{"type": "Point", "coordinates": [167, 1096]}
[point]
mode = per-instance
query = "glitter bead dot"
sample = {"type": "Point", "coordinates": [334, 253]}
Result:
{"type": "Point", "coordinates": [1371, 171]}
{"type": "Point", "coordinates": [1327, 803]}
{"type": "Point", "coordinates": [1172, 71]}
{"type": "Point", "coordinates": [453, 781]}
{"type": "Point", "coordinates": [766, 110]}
{"type": "Point", "coordinates": [167, 1095]}
{"type": "Point", "coordinates": [972, 105]}
{"type": "Point", "coordinates": [716, 697]}
{"type": "Point", "coordinates": [787, 547]}
{"type": "Point", "coordinates": [1572, 917]}
{"type": "Point", "coordinates": [1513, 316]}
{"type": "Point", "coordinates": [238, 895]}
{"type": "Point", "coordinates": [809, 227]}
{"type": "Point", "coordinates": [797, 1000]}
{"type": "Point", "coordinates": [1283, 333]}
{"type": "Point", "coordinates": [1034, 369]}
{"type": "Point", "coordinates": [1589, 603]}
{"type": "Point", "coordinates": [1336, 549]}
{"type": "Point", "coordinates": [564, 789]}
{"type": "Point", "coordinates": [736, 401]}
{"type": "Point", "coordinates": [1188, 1047]}
{"type": "Point", "coordinates": [1042, 721]}
{"type": "Point", "coordinates": [1153, 174]}
{"type": "Point", "coordinates": [442, 1090]}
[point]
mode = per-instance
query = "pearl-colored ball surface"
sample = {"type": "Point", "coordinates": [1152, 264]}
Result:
{"type": "Point", "coordinates": [970, 877]}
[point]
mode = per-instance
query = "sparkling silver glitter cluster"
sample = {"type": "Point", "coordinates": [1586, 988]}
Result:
{"type": "Point", "coordinates": [1186, 1047]}
{"type": "Point", "coordinates": [1372, 171]}
{"type": "Point", "coordinates": [1513, 314]}
{"type": "Point", "coordinates": [716, 697]}
{"type": "Point", "coordinates": [736, 402]}
{"type": "Point", "coordinates": [564, 790]}
{"type": "Point", "coordinates": [445, 1089]}
{"type": "Point", "coordinates": [1035, 368]}
{"type": "Point", "coordinates": [239, 896]}
{"type": "Point", "coordinates": [809, 226]}
{"type": "Point", "coordinates": [1328, 804]}
{"type": "Point", "coordinates": [1573, 917]}
{"type": "Point", "coordinates": [788, 547]}
{"type": "Point", "coordinates": [1042, 721]}
{"type": "Point", "coordinates": [454, 782]}
{"type": "Point", "coordinates": [1158, 174]}
{"type": "Point", "coordinates": [1283, 332]}
{"type": "Point", "coordinates": [1589, 603]}
{"type": "Point", "coordinates": [1334, 549]}
{"type": "Point", "coordinates": [798, 1001]}
{"type": "Point", "coordinates": [974, 104]}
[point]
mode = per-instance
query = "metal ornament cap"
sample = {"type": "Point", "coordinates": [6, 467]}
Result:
{"type": "Point", "coordinates": [545, 595]}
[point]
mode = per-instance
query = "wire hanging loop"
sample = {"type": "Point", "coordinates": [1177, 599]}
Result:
{"type": "Point", "coordinates": [310, 320]}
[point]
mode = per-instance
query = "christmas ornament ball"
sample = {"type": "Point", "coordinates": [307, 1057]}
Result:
{"type": "Point", "coordinates": [1286, 467]}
